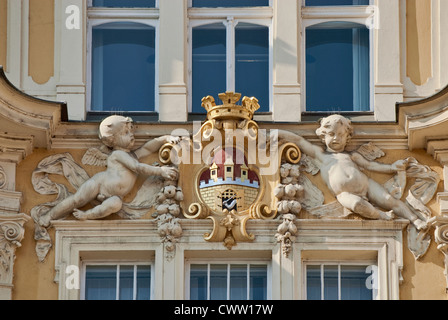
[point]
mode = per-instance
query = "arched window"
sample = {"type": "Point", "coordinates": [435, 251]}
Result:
{"type": "Point", "coordinates": [337, 67]}
{"type": "Point", "coordinates": [338, 38]}
{"type": "Point", "coordinates": [122, 56]}
{"type": "Point", "coordinates": [229, 51]}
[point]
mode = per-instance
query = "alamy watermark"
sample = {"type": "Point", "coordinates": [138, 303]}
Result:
{"type": "Point", "coordinates": [262, 151]}
{"type": "Point", "coordinates": [73, 20]}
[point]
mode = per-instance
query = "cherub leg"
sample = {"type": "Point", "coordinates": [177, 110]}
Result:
{"type": "Point", "coordinates": [86, 193]}
{"type": "Point", "coordinates": [109, 206]}
{"type": "Point", "coordinates": [360, 206]}
{"type": "Point", "coordinates": [379, 195]}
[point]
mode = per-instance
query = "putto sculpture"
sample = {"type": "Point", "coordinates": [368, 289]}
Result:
{"type": "Point", "coordinates": [110, 186]}
{"type": "Point", "coordinates": [243, 174]}
{"type": "Point", "coordinates": [342, 174]}
{"type": "Point", "coordinates": [106, 189]}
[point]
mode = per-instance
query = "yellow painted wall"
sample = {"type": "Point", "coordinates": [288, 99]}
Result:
{"type": "Point", "coordinates": [418, 40]}
{"type": "Point", "coordinates": [423, 279]}
{"type": "Point", "coordinates": [3, 31]}
{"type": "Point", "coordinates": [41, 41]}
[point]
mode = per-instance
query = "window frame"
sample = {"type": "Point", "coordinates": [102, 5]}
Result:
{"type": "Point", "coordinates": [340, 263]}
{"type": "Point", "coordinates": [230, 17]}
{"type": "Point", "coordinates": [227, 262]}
{"type": "Point", "coordinates": [97, 16]}
{"type": "Point", "coordinates": [117, 264]}
{"type": "Point", "coordinates": [358, 14]}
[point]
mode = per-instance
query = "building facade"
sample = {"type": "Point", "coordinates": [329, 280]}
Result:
{"type": "Point", "coordinates": [201, 149]}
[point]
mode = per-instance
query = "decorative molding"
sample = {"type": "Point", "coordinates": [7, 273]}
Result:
{"type": "Point", "coordinates": [230, 187]}
{"type": "Point", "coordinates": [20, 113]}
{"type": "Point", "coordinates": [14, 147]}
{"type": "Point", "coordinates": [422, 118]}
{"type": "Point", "coordinates": [441, 238]}
{"type": "Point", "coordinates": [3, 178]}
{"type": "Point", "coordinates": [11, 235]}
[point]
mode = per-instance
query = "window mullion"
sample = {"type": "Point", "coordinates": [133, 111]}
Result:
{"type": "Point", "coordinates": [208, 281]}
{"type": "Point", "coordinates": [339, 281]}
{"type": "Point", "coordinates": [322, 295]}
{"type": "Point", "coordinates": [248, 282]}
{"type": "Point", "coordinates": [117, 293]}
{"type": "Point", "coordinates": [228, 281]}
{"type": "Point", "coordinates": [230, 53]}
{"type": "Point", "coordinates": [134, 287]}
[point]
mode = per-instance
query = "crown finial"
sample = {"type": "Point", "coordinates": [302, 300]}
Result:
{"type": "Point", "coordinates": [229, 109]}
{"type": "Point", "coordinates": [208, 103]}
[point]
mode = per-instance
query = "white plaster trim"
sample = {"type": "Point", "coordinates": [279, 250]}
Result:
{"type": "Point", "coordinates": [385, 237]}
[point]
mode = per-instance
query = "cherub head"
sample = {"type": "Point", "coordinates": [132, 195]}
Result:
{"type": "Point", "coordinates": [117, 132]}
{"type": "Point", "coordinates": [336, 132]}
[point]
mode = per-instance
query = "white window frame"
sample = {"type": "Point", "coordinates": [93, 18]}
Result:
{"type": "Point", "coordinates": [323, 263]}
{"type": "Point", "coordinates": [117, 264]}
{"type": "Point", "coordinates": [228, 262]}
{"type": "Point", "coordinates": [377, 241]}
{"type": "Point", "coordinates": [230, 17]}
{"type": "Point", "coordinates": [352, 14]}
{"type": "Point", "coordinates": [98, 16]}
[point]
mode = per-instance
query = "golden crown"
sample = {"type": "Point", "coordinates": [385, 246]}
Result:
{"type": "Point", "coordinates": [229, 109]}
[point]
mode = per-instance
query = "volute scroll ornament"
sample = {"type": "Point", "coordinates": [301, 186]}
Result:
{"type": "Point", "coordinates": [12, 232]}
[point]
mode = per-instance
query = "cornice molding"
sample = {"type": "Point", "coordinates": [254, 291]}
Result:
{"type": "Point", "coordinates": [21, 113]}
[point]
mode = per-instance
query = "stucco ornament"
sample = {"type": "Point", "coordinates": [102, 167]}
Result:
{"type": "Point", "coordinates": [232, 185]}
{"type": "Point", "coordinates": [167, 215]}
{"type": "Point", "coordinates": [355, 192]}
{"type": "Point", "coordinates": [106, 189]}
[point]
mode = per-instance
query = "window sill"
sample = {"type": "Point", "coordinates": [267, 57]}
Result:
{"type": "Point", "coordinates": [95, 116]}
{"type": "Point", "coordinates": [362, 116]}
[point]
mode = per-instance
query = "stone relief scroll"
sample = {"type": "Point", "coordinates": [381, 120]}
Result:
{"type": "Point", "coordinates": [106, 189]}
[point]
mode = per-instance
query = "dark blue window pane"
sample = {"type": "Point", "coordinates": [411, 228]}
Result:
{"type": "Point", "coordinates": [258, 282]}
{"type": "Point", "coordinates": [198, 282]}
{"type": "Point", "coordinates": [337, 69]}
{"type": "Point", "coordinates": [353, 283]}
{"type": "Point", "coordinates": [218, 282]}
{"type": "Point", "coordinates": [252, 62]}
{"type": "Point", "coordinates": [238, 282]}
{"type": "Point", "coordinates": [331, 283]}
{"type": "Point", "coordinates": [124, 3]}
{"type": "Point", "coordinates": [143, 282]}
{"type": "Point", "coordinates": [230, 3]}
{"type": "Point", "coordinates": [126, 283]}
{"type": "Point", "coordinates": [209, 63]}
{"type": "Point", "coordinates": [101, 283]}
{"type": "Point", "coordinates": [313, 283]}
{"type": "Point", "coordinates": [336, 3]}
{"type": "Point", "coordinates": [123, 67]}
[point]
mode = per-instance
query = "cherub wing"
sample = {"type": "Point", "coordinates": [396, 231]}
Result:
{"type": "Point", "coordinates": [308, 165]}
{"type": "Point", "coordinates": [96, 156]}
{"type": "Point", "coordinates": [370, 151]}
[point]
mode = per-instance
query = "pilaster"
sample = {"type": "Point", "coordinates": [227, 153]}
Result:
{"type": "Point", "coordinates": [172, 58]}
{"type": "Point", "coordinates": [12, 150]}
{"type": "Point", "coordinates": [286, 69]}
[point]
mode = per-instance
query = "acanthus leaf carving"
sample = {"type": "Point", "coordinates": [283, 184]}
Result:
{"type": "Point", "coordinates": [11, 235]}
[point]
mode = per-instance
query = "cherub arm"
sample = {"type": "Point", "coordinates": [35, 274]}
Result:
{"type": "Point", "coordinates": [143, 168]}
{"type": "Point", "coordinates": [154, 145]}
{"type": "Point", "coordinates": [305, 146]}
{"type": "Point", "coordinates": [377, 166]}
